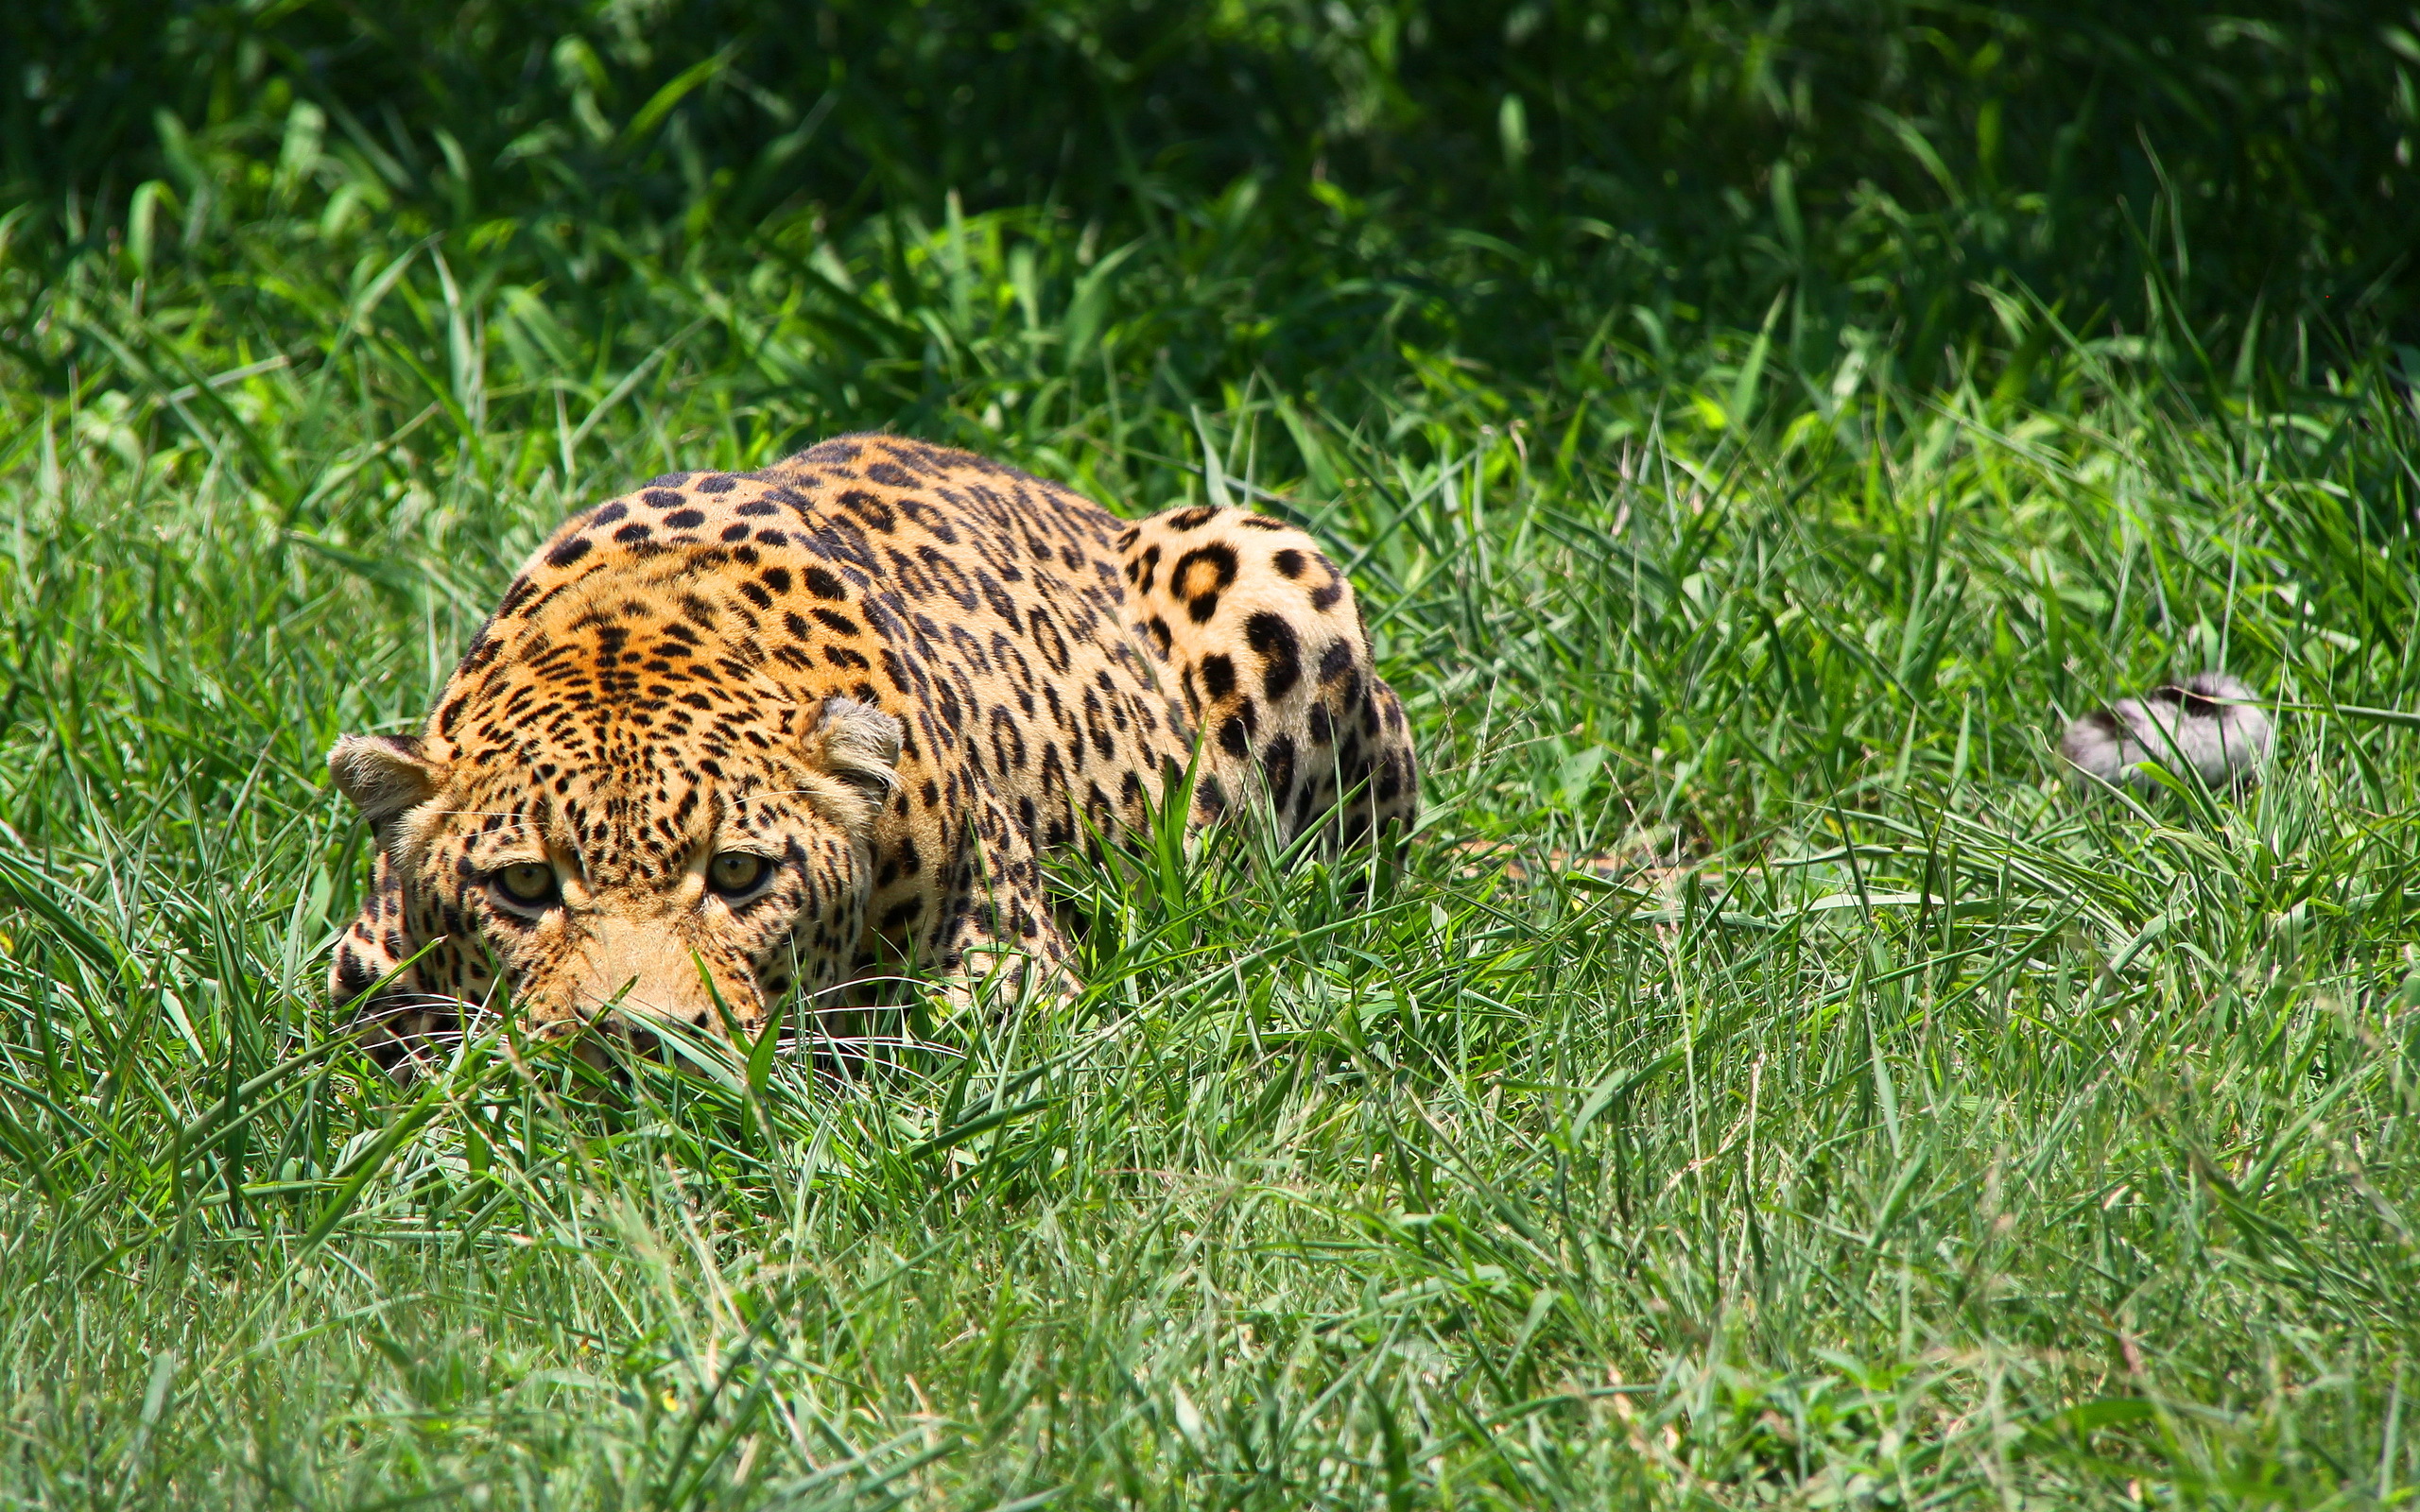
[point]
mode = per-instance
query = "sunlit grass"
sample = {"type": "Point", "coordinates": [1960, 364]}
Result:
{"type": "Point", "coordinates": [1873, 1119]}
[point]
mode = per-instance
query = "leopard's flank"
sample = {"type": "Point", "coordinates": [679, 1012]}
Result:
{"type": "Point", "coordinates": [746, 735]}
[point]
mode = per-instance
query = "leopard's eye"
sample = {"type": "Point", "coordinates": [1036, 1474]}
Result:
{"type": "Point", "coordinates": [527, 882]}
{"type": "Point", "coordinates": [736, 872]}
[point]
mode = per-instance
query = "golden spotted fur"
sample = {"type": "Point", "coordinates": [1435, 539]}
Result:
{"type": "Point", "coordinates": [780, 730]}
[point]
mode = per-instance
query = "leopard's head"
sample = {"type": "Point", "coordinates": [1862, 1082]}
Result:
{"type": "Point", "coordinates": [607, 821]}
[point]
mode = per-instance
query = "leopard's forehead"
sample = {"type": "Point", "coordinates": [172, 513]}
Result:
{"type": "Point", "coordinates": [635, 701]}
{"type": "Point", "coordinates": [627, 667]}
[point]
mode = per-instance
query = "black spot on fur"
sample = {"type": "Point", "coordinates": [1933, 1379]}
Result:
{"type": "Point", "coordinates": [354, 976]}
{"type": "Point", "coordinates": [1389, 778]}
{"type": "Point", "coordinates": [876, 514]}
{"type": "Point", "coordinates": [1277, 763]}
{"type": "Point", "coordinates": [1217, 556]}
{"type": "Point", "coordinates": [568, 552]}
{"type": "Point", "coordinates": [1217, 675]}
{"type": "Point", "coordinates": [1280, 651]}
{"type": "Point", "coordinates": [1234, 738]}
{"type": "Point", "coordinates": [483, 650]}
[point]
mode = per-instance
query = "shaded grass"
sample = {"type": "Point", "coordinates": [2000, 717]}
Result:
{"type": "Point", "coordinates": [1886, 1125]}
{"type": "Point", "coordinates": [1527, 174]}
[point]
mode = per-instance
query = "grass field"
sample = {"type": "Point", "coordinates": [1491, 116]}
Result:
{"type": "Point", "coordinates": [1873, 1121]}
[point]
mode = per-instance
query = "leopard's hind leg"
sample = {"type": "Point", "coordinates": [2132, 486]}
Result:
{"type": "Point", "coordinates": [1273, 658]}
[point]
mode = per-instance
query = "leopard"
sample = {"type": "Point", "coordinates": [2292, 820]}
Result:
{"type": "Point", "coordinates": [739, 743]}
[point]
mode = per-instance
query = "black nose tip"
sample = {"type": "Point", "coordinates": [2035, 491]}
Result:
{"type": "Point", "coordinates": [653, 1036]}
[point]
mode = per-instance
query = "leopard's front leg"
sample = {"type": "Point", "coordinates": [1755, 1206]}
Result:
{"type": "Point", "coordinates": [999, 942]}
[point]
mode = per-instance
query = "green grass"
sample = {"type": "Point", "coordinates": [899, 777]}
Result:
{"type": "Point", "coordinates": [1508, 177]}
{"type": "Point", "coordinates": [1885, 1124]}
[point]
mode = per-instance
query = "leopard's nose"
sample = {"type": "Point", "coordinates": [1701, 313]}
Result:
{"type": "Point", "coordinates": [640, 1023]}
{"type": "Point", "coordinates": [632, 1007]}
{"type": "Point", "coordinates": [643, 1012]}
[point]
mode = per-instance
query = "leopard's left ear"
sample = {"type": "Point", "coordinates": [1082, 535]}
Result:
{"type": "Point", "coordinates": [859, 745]}
{"type": "Point", "coordinates": [384, 775]}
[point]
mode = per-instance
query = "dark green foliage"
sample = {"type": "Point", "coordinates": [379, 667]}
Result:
{"type": "Point", "coordinates": [1517, 176]}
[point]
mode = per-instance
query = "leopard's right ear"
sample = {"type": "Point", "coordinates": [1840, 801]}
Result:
{"type": "Point", "coordinates": [384, 775]}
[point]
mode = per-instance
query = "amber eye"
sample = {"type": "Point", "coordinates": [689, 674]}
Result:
{"type": "Point", "coordinates": [527, 882]}
{"type": "Point", "coordinates": [734, 872]}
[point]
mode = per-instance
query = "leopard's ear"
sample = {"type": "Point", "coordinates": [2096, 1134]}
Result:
{"type": "Point", "coordinates": [857, 744]}
{"type": "Point", "coordinates": [384, 775]}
